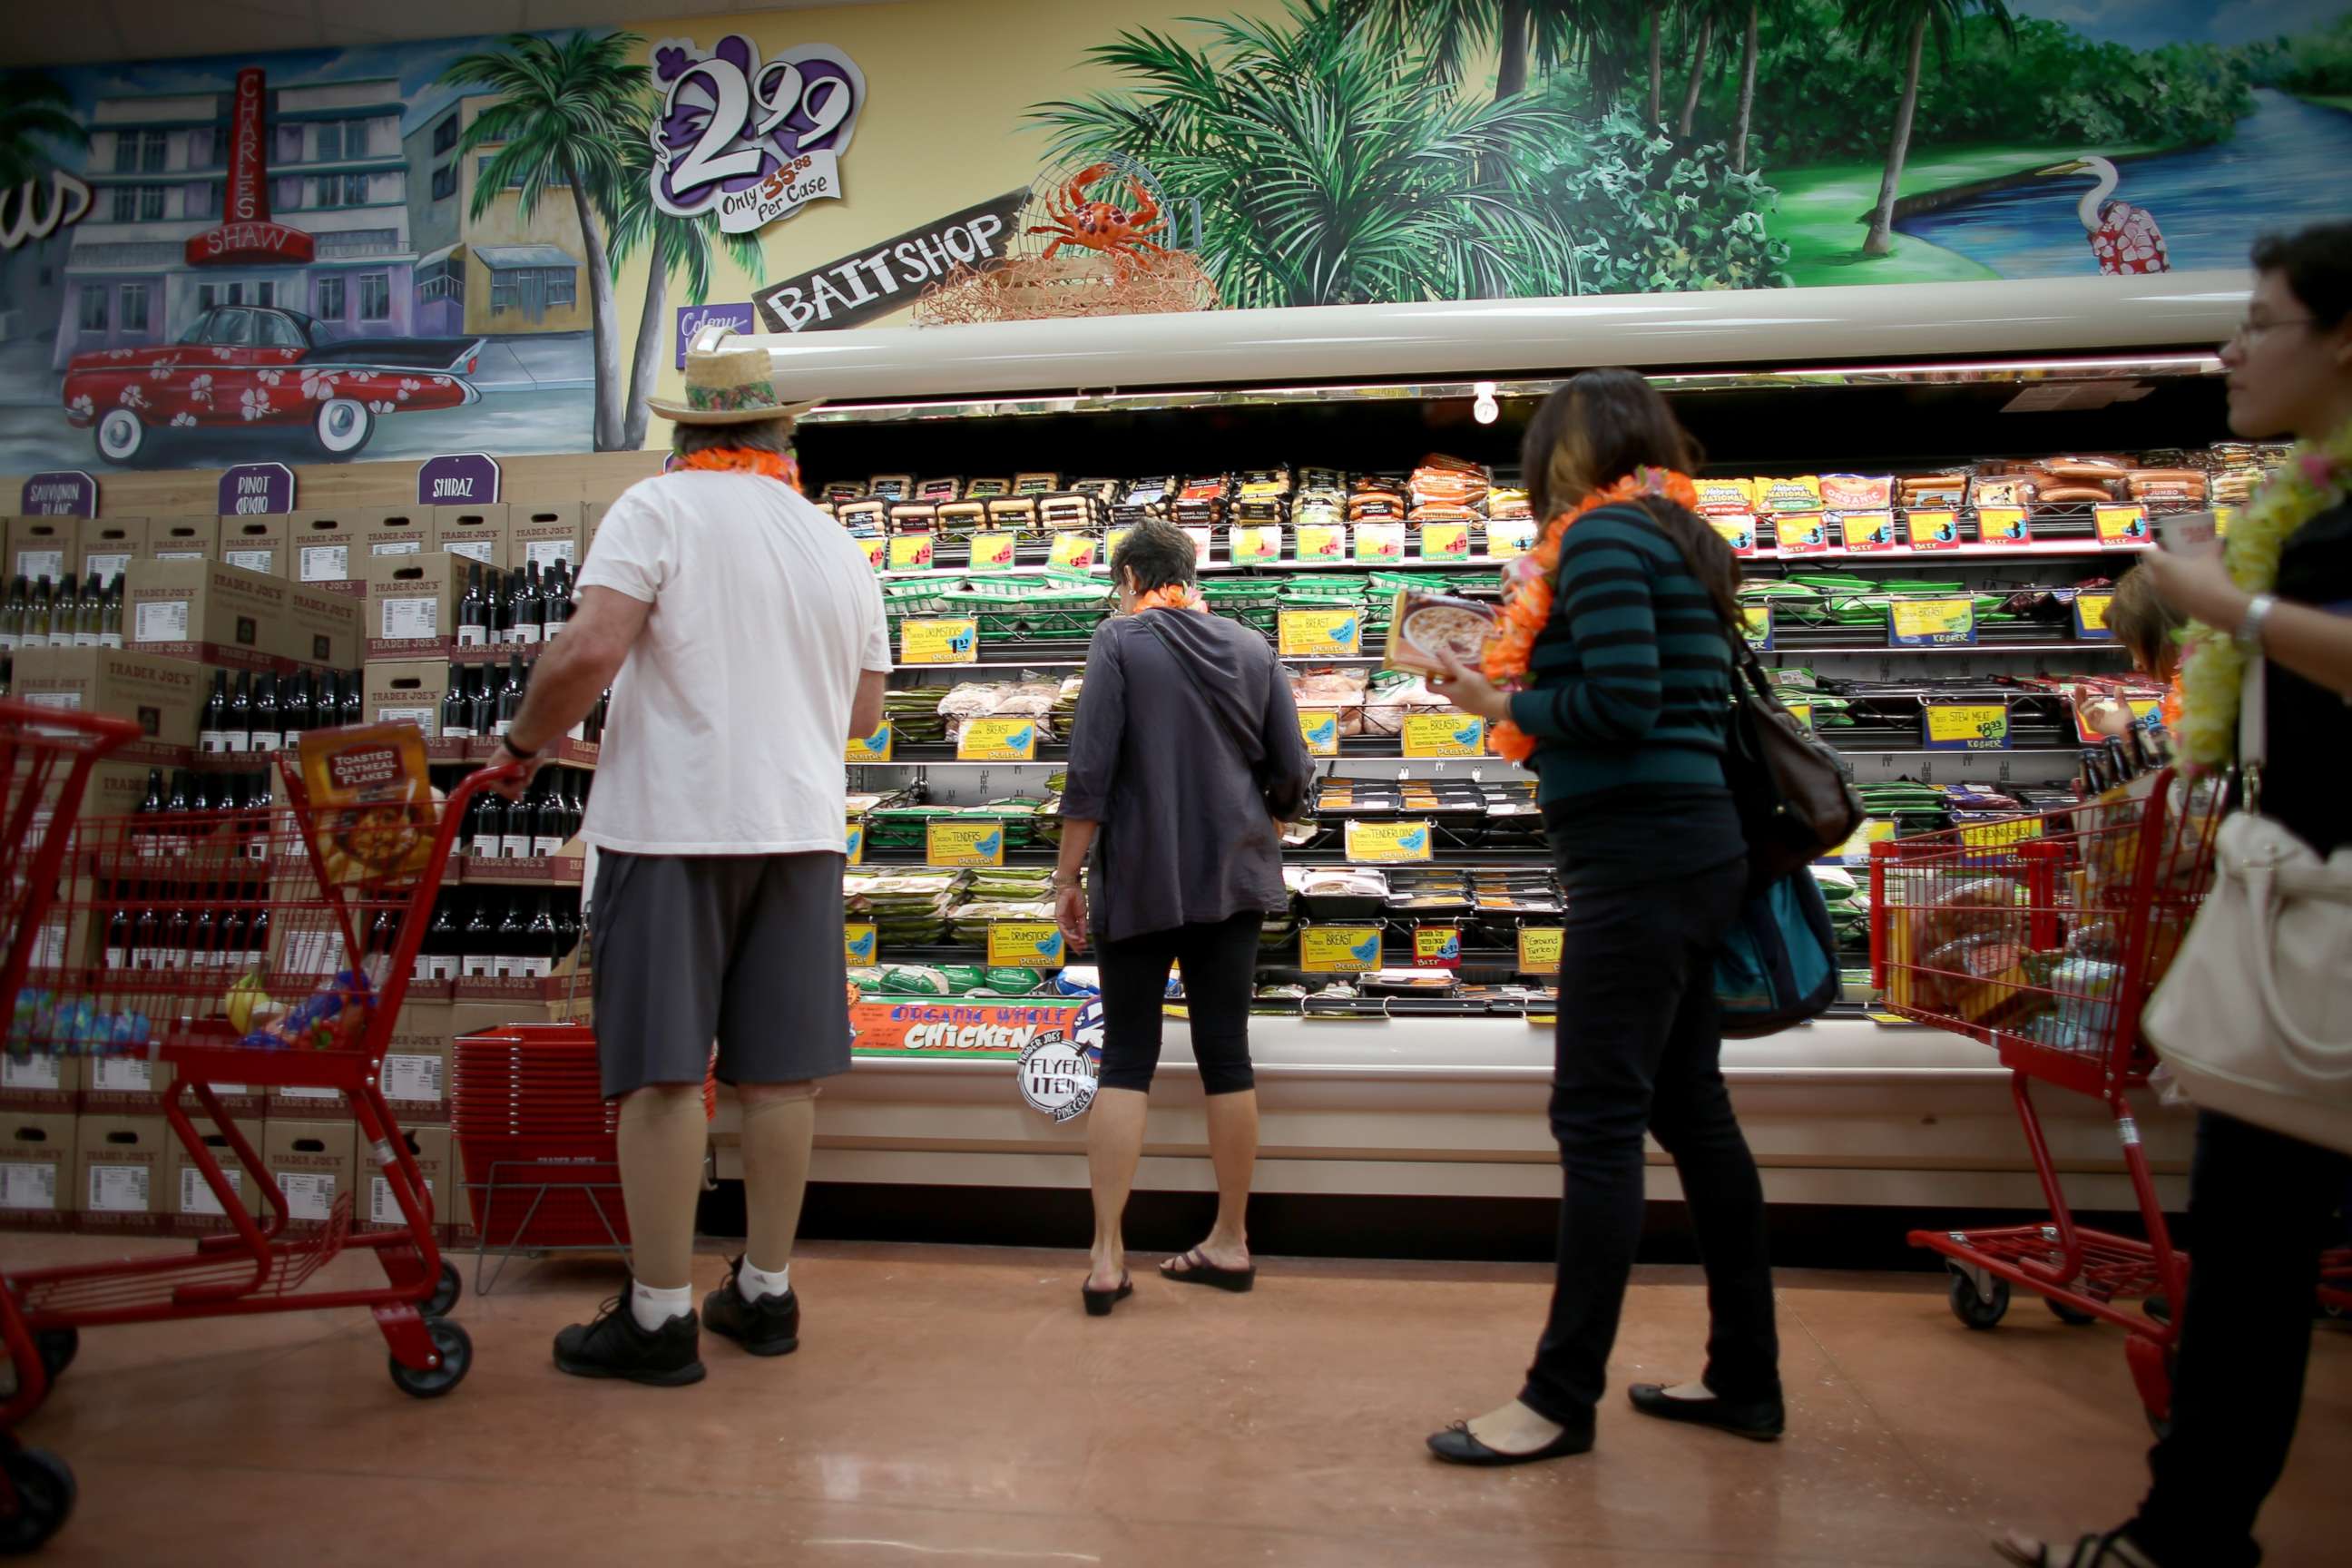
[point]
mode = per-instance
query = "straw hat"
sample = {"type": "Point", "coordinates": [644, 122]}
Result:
{"type": "Point", "coordinates": [733, 386]}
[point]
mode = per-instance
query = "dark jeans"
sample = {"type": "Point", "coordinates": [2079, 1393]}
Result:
{"type": "Point", "coordinates": [1639, 1049]}
{"type": "Point", "coordinates": [1219, 961]}
{"type": "Point", "coordinates": [2258, 1209]}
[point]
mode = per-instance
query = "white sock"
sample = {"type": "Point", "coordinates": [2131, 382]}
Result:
{"type": "Point", "coordinates": [653, 1308]}
{"type": "Point", "coordinates": [756, 1283]}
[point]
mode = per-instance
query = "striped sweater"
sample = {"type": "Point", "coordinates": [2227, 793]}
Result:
{"type": "Point", "coordinates": [1629, 703]}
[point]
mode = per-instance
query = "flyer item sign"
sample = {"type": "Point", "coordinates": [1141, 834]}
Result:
{"type": "Point", "coordinates": [860, 942]}
{"type": "Point", "coordinates": [1539, 948]}
{"type": "Point", "coordinates": [1388, 843]}
{"type": "Point", "coordinates": [1339, 950]}
{"type": "Point", "coordinates": [1024, 944]}
{"type": "Point", "coordinates": [1443, 735]}
{"type": "Point", "coordinates": [2120, 527]}
{"type": "Point", "coordinates": [1932, 529]}
{"type": "Point", "coordinates": [747, 140]}
{"type": "Point", "coordinates": [874, 748]}
{"type": "Point", "coordinates": [1319, 728]}
{"type": "Point", "coordinates": [965, 843]}
{"type": "Point", "coordinates": [1931, 622]}
{"type": "Point", "coordinates": [992, 551]}
{"type": "Point", "coordinates": [1446, 541]}
{"type": "Point", "coordinates": [1056, 1077]}
{"type": "Point", "coordinates": [998, 740]}
{"type": "Point", "coordinates": [939, 642]}
{"type": "Point", "coordinates": [941, 1028]}
{"type": "Point", "coordinates": [1967, 727]}
{"type": "Point", "coordinates": [1321, 634]}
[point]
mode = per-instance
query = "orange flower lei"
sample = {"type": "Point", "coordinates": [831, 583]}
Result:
{"type": "Point", "coordinates": [1528, 587]}
{"type": "Point", "coordinates": [741, 460]}
{"type": "Point", "coordinates": [1174, 597]}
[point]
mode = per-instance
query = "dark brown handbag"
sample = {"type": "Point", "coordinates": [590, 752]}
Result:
{"type": "Point", "coordinates": [1795, 804]}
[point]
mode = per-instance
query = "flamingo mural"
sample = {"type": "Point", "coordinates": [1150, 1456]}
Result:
{"type": "Point", "coordinates": [2124, 238]}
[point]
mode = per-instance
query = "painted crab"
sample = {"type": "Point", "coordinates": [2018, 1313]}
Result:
{"type": "Point", "coordinates": [1105, 227]}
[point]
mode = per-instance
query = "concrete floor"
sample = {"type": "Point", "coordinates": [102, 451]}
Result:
{"type": "Point", "coordinates": [953, 1407]}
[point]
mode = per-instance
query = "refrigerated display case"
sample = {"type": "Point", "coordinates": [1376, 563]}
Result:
{"type": "Point", "coordinates": [1396, 1088]}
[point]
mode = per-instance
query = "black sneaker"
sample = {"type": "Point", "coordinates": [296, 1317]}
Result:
{"type": "Point", "coordinates": [611, 1344]}
{"type": "Point", "coordinates": [769, 1326]}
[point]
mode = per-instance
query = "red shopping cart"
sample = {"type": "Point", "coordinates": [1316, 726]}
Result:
{"type": "Point", "coordinates": [2043, 937]}
{"type": "Point", "coordinates": [208, 943]}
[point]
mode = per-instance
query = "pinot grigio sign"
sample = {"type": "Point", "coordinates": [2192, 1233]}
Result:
{"type": "Point", "coordinates": [888, 275]}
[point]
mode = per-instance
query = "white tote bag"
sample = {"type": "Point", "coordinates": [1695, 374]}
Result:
{"type": "Point", "coordinates": [2255, 1018]}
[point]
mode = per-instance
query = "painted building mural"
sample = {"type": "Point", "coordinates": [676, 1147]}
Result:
{"type": "Point", "coordinates": [488, 243]}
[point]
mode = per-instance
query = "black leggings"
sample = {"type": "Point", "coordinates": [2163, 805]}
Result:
{"type": "Point", "coordinates": [1220, 963]}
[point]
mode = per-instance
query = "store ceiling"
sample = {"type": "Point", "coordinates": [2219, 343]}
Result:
{"type": "Point", "coordinates": [42, 33]}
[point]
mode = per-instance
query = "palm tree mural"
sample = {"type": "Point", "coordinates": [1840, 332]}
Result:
{"type": "Point", "coordinates": [1778, 13]}
{"type": "Point", "coordinates": [1884, 21]}
{"type": "Point", "coordinates": [558, 104]}
{"type": "Point", "coordinates": [675, 247]}
{"type": "Point", "coordinates": [1544, 34]}
{"type": "Point", "coordinates": [34, 110]}
{"type": "Point", "coordinates": [1328, 169]}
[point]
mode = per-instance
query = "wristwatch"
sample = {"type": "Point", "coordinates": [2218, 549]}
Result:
{"type": "Point", "coordinates": [2249, 635]}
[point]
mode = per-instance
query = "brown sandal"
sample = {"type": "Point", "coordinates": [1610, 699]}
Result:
{"type": "Point", "coordinates": [2112, 1550]}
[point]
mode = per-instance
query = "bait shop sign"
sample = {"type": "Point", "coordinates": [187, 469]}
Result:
{"type": "Point", "coordinates": [752, 142]}
{"type": "Point", "coordinates": [889, 274]}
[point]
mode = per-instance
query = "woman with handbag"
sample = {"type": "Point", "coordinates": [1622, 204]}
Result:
{"type": "Point", "coordinates": [1620, 624]}
{"type": "Point", "coordinates": [2271, 616]}
{"type": "Point", "coordinates": [1185, 757]}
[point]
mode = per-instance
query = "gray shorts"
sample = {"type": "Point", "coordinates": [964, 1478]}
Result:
{"type": "Point", "coordinates": [742, 949]}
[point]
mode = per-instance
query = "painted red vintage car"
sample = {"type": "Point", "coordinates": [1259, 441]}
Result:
{"type": "Point", "coordinates": [256, 366]}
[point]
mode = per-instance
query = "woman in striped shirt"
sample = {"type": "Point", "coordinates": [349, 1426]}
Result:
{"type": "Point", "coordinates": [1612, 678]}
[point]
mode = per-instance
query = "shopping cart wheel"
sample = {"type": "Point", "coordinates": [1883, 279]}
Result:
{"type": "Point", "coordinates": [44, 1496]}
{"type": "Point", "coordinates": [445, 1291]}
{"type": "Point", "coordinates": [1971, 1307]}
{"type": "Point", "coordinates": [456, 1359]}
{"type": "Point", "coordinates": [2071, 1316]}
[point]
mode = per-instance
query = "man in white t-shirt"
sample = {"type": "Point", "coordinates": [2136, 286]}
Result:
{"type": "Point", "coordinates": [740, 632]}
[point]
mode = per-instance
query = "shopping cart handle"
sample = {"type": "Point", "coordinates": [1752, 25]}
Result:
{"type": "Point", "coordinates": [480, 779]}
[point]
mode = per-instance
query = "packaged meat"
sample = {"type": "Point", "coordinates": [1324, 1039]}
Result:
{"type": "Point", "coordinates": [1036, 484]}
{"type": "Point", "coordinates": [938, 489]}
{"type": "Point", "coordinates": [890, 486]}
{"type": "Point", "coordinates": [1799, 494]}
{"type": "Point", "coordinates": [987, 489]}
{"type": "Point", "coordinates": [1856, 492]}
{"type": "Point", "coordinates": [1725, 495]}
{"type": "Point", "coordinates": [864, 516]}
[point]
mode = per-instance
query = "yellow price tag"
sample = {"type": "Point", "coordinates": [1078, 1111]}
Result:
{"type": "Point", "coordinates": [965, 843]}
{"type": "Point", "coordinates": [997, 741]}
{"type": "Point", "coordinates": [1967, 727]}
{"type": "Point", "coordinates": [910, 552]}
{"type": "Point", "coordinates": [1936, 530]}
{"type": "Point", "coordinates": [1321, 542]}
{"type": "Point", "coordinates": [1024, 944]}
{"type": "Point", "coordinates": [2143, 708]}
{"type": "Point", "coordinates": [1436, 946]}
{"type": "Point", "coordinates": [1319, 728]}
{"type": "Point", "coordinates": [1388, 843]}
{"type": "Point", "coordinates": [2001, 525]}
{"type": "Point", "coordinates": [2001, 834]}
{"type": "Point", "coordinates": [1111, 542]}
{"type": "Point", "coordinates": [1738, 530]}
{"type": "Point", "coordinates": [1443, 735]}
{"type": "Point", "coordinates": [1380, 541]}
{"type": "Point", "coordinates": [1505, 540]}
{"type": "Point", "coordinates": [1074, 551]}
{"type": "Point", "coordinates": [1339, 950]}
{"type": "Point", "coordinates": [853, 839]}
{"type": "Point", "coordinates": [939, 642]}
{"type": "Point", "coordinates": [874, 748]}
{"type": "Point", "coordinates": [1321, 634]}
{"type": "Point", "coordinates": [1929, 623]}
{"type": "Point", "coordinates": [861, 941]}
{"type": "Point", "coordinates": [874, 544]}
{"type": "Point", "coordinates": [2223, 516]}
{"type": "Point", "coordinates": [1539, 948]}
{"type": "Point", "coordinates": [1802, 712]}
{"type": "Point", "coordinates": [993, 551]}
{"type": "Point", "coordinates": [1261, 542]}
{"type": "Point", "coordinates": [1446, 541]}
{"type": "Point", "coordinates": [1872, 831]}
{"type": "Point", "coordinates": [2090, 612]}
{"type": "Point", "coordinates": [1867, 531]}
{"type": "Point", "coordinates": [2121, 525]}
{"type": "Point", "coordinates": [1756, 624]}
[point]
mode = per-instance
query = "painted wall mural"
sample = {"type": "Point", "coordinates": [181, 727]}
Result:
{"type": "Point", "coordinates": [498, 243]}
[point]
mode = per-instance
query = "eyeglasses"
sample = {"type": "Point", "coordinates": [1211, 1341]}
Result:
{"type": "Point", "coordinates": [2252, 332]}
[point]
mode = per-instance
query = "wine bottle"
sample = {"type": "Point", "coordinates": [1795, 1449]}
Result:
{"type": "Point", "coordinates": [256, 935]}
{"type": "Point", "coordinates": [13, 613]}
{"type": "Point", "coordinates": [473, 614]}
{"type": "Point", "coordinates": [118, 938]}
{"type": "Point", "coordinates": [540, 941]}
{"type": "Point", "coordinates": [264, 735]}
{"type": "Point", "coordinates": [203, 933]}
{"type": "Point", "coordinates": [476, 954]}
{"type": "Point", "coordinates": [456, 710]}
{"type": "Point", "coordinates": [172, 940]}
{"type": "Point", "coordinates": [547, 822]}
{"type": "Point", "coordinates": [437, 952]}
{"type": "Point", "coordinates": [510, 697]}
{"type": "Point", "coordinates": [109, 617]}
{"type": "Point", "coordinates": [65, 613]}
{"type": "Point", "coordinates": [556, 601]}
{"type": "Point", "coordinates": [486, 826]}
{"type": "Point", "coordinates": [93, 611]}
{"type": "Point", "coordinates": [35, 630]}
{"type": "Point", "coordinates": [236, 729]}
{"type": "Point", "coordinates": [518, 840]}
{"type": "Point", "coordinates": [512, 943]}
{"type": "Point", "coordinates": [146, 938]}
{"type": "Point", "coordinates": [497, 603]}
{"type": "Point", "coordinates": [526, 614]}
{"type": "Point", "coordinates": [212, 725]}
{"type": "Point", "coordinates": [176, 805]}
{"type": "Point", "coordinates": [353, 708]}
{"type": "Point", "coordinates": [235, 941]}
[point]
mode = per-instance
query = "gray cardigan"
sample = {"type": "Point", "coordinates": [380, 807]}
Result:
{"type": "Point", "coordinates": [1184, 751]}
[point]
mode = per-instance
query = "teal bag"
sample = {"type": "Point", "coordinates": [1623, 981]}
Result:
{"type": "Point", "coordinates": [1777, 966]}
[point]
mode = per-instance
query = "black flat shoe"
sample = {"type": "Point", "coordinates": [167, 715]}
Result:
{"type": "Point", "coordinates": [1456, 1445]}
{"type": "Point", "coordinates": [1759, 1420]}
{"type": "Point", "coordinates": [1199, 1270]}
{"type": "Point", "coordinates": [1100, 1302]}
